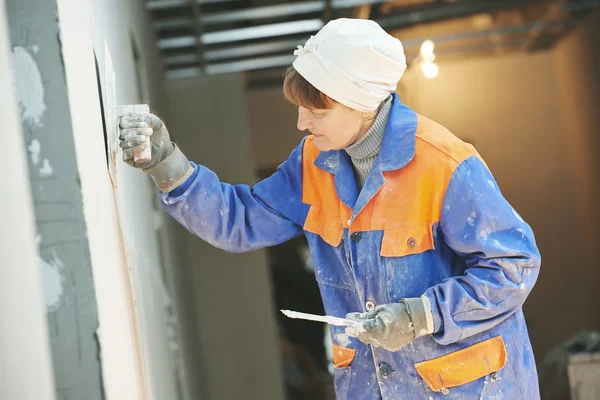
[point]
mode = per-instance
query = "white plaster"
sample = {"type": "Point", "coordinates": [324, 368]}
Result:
{"type": "Point", "coordinates": [52, 281]}
{"type": "Point", "coordinates": [46, 169]}
{"type": "Point", "coordinates": [34, 149]}
{"type": "Point", "coordinates": [123, 374]}
{"type": "Point", "coordinates": [471, 219]}
{"type": "Point", "coordinates": [30, 87]}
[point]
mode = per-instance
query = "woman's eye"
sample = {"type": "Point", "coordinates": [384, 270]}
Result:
{"type": "Point", "coordinates": [318, 115]}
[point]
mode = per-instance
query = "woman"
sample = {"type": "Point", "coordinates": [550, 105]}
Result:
{"type": "Point", "coordinates": [410, 235]}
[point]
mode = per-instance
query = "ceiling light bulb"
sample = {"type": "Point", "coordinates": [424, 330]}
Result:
{"type": "Point", "coordinates": [428, 58]}
{"type": "Point", "coordinates": [427, 47]}
{"type": "Point", "coordinates": [429, 69]}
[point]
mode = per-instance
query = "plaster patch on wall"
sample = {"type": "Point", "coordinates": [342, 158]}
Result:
{"type": "Point", "coordinates": [46, 169]}
{"type": "Point", "coordinates": [34, 151]}
{"type": "Point", "coordinates": [30, 88]}
{"type": "Point", "coordinates": [52, 281]}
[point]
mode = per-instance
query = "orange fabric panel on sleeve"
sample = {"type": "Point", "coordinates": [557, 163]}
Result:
{"type": "Point", "coordinates": [465, 365]}
{"type": "Point", "coordinates": [342, 356]}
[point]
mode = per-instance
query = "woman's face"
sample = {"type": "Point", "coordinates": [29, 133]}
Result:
{"type": "Point", "coordinates": [333, 129]}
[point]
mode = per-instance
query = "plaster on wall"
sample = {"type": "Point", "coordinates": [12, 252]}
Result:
{"type": "Point", "coordinates": [52, 281]}
{"type": "Point", "coordinates": [28, 81]}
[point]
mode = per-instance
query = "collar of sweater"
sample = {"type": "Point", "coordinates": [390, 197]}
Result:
{"type": "Point", "coordinates": [369, 145]}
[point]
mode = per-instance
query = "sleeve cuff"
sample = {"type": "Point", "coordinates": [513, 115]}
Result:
{"type": "Point", "coordinates": [418, 315]}
{"type": "Point", "coordinates": [428, 314]}
{"type": "Point", "coordinates": [172, 171]}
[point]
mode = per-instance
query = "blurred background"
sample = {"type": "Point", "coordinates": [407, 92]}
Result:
{"type": "Point", "coordinates": [102, 296]}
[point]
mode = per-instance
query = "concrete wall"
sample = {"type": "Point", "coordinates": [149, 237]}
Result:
{"type": "Point", "coordinates": [534, 119]}
{"type": "Point", "coordinates": [63, 246]}
{"type": "Point", "coordinates": [233, 340]}
{"type": "Point", "coordinates": [24, 338]}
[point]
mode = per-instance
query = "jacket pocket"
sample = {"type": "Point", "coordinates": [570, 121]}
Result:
{"type": "Point", "coordinates": [327, 226]}
{"type": "Point", "coordinates": [342, 356]}
{"type": "Point", "coordinates": [342, 361]}
{"type": "Point", "coordinates": [464, 366]}
{"type": "Point", "coordinates": [412, 238]}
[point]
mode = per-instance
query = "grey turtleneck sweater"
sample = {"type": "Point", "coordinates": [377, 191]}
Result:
{"type": "Point", "coordinates": [364, 152]}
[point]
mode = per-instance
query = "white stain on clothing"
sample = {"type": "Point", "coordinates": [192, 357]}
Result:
{"type": "Point", "coordinates": [331, 162]}
{"type": "Point", "coordinates": [34, 149]}
{"type": "Point", "coordinates": [342, 339]}
{"type": "Point", "coordinates": [485, 233]}
{"type": "Point", "coordinates": [52, 281]}
{"type": "Point", "coordinates": [46, 169]}
{"type": "Point", "coordinates": [471, 219]}
{"type": "Point", "coordinates": [30, 87]}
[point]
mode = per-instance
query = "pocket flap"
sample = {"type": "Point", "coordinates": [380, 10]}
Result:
{"type": "Point", "coordinates": [410, 239]}
{"type": "Point", "coordinates": [328, 227]}
{"type": "Point", "coordinates": [465, 365]}
{"type": "Point", "coordinates": [342, 356]}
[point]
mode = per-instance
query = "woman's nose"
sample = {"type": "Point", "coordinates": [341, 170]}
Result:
{"type": "Point", "coordinates": [303, 119]}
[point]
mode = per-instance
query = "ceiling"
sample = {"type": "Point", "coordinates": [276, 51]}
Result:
{"type": "Point", "coordinates": [208, 37]}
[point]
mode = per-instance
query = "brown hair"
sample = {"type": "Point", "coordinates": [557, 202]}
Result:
{"type": "Point", "coordinates": [300, 92]}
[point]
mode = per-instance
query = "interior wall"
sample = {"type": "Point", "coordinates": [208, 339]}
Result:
{"type": "Point", "coordinates": [113, 324]}
{"type": "Point", "coordinates": [272, 122]}
{"type": "Point", "coordinates": [522, 112]}
{"type": "Point", "coordinates": [124, 28]}
{"type": "Point", "coordinates": [577, 60]}
{"type": "Point", "coordinates": [234, 338]}
{"type": "Point", "coordinates": [24, 337]}
{"type": "Point", "coordinates": [64, 259]}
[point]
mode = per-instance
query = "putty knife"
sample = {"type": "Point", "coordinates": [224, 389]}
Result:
{"type": "Point", "coordinates": [318, 318]}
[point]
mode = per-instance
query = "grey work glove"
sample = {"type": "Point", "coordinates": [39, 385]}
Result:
{"type": "Point", "coordinates": [169, 167]}
{"type": "Point", "coordinates": [391, 326]}
{"type": "Point", "coordinates": [135, 129]}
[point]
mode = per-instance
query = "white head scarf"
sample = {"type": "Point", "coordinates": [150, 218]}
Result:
{"type": "Point", "coordinates": [353, 61]}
